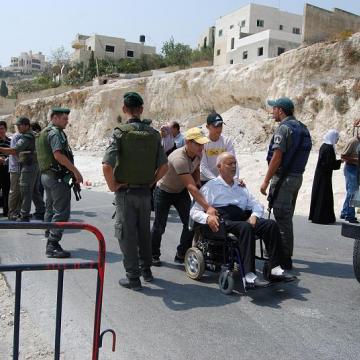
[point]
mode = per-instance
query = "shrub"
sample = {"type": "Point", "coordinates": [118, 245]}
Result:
{"type": "Point", "coordinates": [341, 104]}
{"type": "Point", "coordinates": [351, 54]}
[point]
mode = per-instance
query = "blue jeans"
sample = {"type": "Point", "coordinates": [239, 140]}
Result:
{"type": "Point", "coordinates": [351, 181]}
{"type": "Point", "coordinates": [182, 203]}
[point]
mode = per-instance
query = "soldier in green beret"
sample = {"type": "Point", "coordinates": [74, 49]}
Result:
{"type": "Point", "coordinates": [133, 162]}
{"type": "Point", "coordinates": [57, 167]}
{"type": "Point", "coordinates": [29, 170]}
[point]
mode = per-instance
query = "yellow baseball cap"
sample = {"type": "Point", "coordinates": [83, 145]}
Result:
{"type": "Point", "coordinates": [196, 135]}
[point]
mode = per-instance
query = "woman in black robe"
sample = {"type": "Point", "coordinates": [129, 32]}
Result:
{"type": "Point", "coordinates": [322, 199]}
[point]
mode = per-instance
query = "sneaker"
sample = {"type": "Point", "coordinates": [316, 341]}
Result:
{"type": "Point", "coordinates": [147, 275]}
{"type": "Point", "coordinates": [133, 284]}
{"type": "Point", "coordinates": [179, 259]}
{"type": "Point", "coordinates": [156, 261]}
{"type": "Point", "coordinates": [54, 250]}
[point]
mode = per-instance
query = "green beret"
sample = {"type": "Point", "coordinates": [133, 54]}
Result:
{"type": "Point", "coordinates": [133, 99]}
{"type": "Point", "coordinates": [59, 110]}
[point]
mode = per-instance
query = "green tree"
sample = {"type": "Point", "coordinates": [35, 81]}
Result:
{"type": "Point", "coordinates": [91, 69]}
{"type": "Point", "coordinates": [3, 89]}
{"type": "Point", "coordinates": [205, 53]}
{"type": "Point", "coordinates": [176, 53]}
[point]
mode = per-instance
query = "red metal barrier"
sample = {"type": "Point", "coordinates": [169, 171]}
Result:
{"type": "Point", "coordinates": [60, 267]}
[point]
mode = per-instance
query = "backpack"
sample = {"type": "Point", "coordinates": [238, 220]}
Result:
{"type": "Point", "coordinates": [138, 146]}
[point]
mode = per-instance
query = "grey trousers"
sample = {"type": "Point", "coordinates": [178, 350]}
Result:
{"type": "Point", "coordinates": [29, 192]}
{"type": "Point", "coordinates": [58, 204]}
{"type": "Point", "coordinates": [284, 207]}
{"type": "Point", "coordinates": [14, 195]}
{"type": "Point", "coordinates": [132, 229]}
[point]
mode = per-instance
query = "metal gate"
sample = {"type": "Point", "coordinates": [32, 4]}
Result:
{"type": "Point", "coordinates": [60, 267]}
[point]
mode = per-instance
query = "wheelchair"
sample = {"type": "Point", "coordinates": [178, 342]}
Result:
{"type": "Point", "coordinates": [217, 252]}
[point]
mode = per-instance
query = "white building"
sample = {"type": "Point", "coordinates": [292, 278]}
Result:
{"type": "Point", "coordinates": [108, 47]}
{"type": "Point", "coordinates": [28, 62]}
{"type": "Point", "coordinates": [255, 32]}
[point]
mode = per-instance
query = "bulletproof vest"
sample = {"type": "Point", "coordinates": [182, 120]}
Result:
{"type": "Point", "coordinates": [28, 157]}
{"type": "Point", "coordinates": [45, 155]}
{"type": "Point", "coordinates": [294, 159]}
{"type": "Point", "coordinates": [137, 154]}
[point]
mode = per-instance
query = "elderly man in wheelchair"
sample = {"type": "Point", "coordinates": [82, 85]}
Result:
{"type": "Point", "coordinates": [240, 215]}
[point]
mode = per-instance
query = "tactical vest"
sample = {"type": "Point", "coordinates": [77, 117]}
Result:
{"type": "Point", "coordinates": [45, 155]}
{"type": "Point", "coordinates": [136, 161]}
{"type": "Point", "coordinates": [294, 159]}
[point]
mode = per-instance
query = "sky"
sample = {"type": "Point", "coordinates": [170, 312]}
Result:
{"type": "Point", "coordinates": [47, 25]}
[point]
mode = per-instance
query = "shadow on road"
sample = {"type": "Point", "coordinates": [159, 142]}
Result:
{"type": "Point", "coordinates": [181, 297]}
{"type": "Point", "coordinates": [276, 293]}
{"type": "Point", "coordinates": [84, 213]}
{"type": "Point", "coordinates": [87, 254]}
{"type": "Point", "coordinates": [330, 269]}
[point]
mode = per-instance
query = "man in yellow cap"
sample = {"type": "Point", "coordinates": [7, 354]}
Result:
{"type": "Point", "coordinates": [182, 177]}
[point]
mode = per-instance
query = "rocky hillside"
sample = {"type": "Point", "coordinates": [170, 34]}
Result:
{"type": "Point", "coordinates": [323, 79]}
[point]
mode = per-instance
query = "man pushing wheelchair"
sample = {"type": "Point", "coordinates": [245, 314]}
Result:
{"type": "Point", "coordinates": [241, 215]}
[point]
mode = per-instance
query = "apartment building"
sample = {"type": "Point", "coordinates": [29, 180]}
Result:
{"type": "Point", "coordinates": [254, 32]}
{"type": "Point", "coordinates": [108, 47]}
{"type": "Point", "coordinates": [28, 62]}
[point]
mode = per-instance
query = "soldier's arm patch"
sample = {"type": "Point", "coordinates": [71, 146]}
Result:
{"type": "Point", "coordinates": [277, 139]}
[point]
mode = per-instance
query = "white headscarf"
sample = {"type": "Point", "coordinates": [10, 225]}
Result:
{"type": "Point", "coordinates": [167, 140]}
{"type": "Point", "coordinates": [331, 137]}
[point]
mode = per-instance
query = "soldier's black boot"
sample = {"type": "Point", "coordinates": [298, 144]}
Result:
{"type": "Point", "coordinates": [54, 250]}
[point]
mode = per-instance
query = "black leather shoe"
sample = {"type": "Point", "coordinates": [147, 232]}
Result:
{"type": "Point", "coordinates": [54, 250]}
{"type": "Point", "coordinates": [257, 284]}
{"type": "Point", "coordinates": [133, 284]}
{"type": "Point", "coordinates": [156, 261]}
{"type": "Point", "coordinates": [287, 264]}
{"type": "Point", "coordinates": [352, 221]}
{"type": "Point", "coordinates": [284, 277]}
{"type": "Point", "coordinates": [23, 219]}
{"type": "Point", "coordinates": [147, 275]}
{"type": "Point", "coordinates": [179, 259]}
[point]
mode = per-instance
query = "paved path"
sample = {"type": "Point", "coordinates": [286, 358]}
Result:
{"type": "Point", "coordinates": [177, 318]}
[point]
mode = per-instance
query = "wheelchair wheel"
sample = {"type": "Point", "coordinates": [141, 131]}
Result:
{"type": "Point", "coordinates": [226, 282]}
{"type": "Point", "coordinates": [194, 263]}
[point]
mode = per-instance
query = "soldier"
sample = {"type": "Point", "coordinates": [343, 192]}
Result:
{"type": "Point", "coordinates": [57, 167]}
{"type": "Point", "coordinates": [133, 162]}
{"type": "Point", "coordinates": [25, 150]}
{"type": "Point", "coordinates": [4, 168]}
{"type": "Point", "coordinates": [287, 157]}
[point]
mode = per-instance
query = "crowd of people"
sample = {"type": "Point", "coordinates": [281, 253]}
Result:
{"type": "Point", "coordinates": [196, 173]}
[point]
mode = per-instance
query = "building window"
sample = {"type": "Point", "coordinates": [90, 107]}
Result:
{"type": "Point", "coordinates": [218, 52]}
{"type": "Point", "coordinates": [205, 43]}
{"type": "Point", "coordinates": [260, 51]}
{"type": "Point", "coordinates": [231, 26]}
{"type": "Point", "coordinates": [245, 55]}
{"type": "Point", "coordinates": [260, 23]}
{"type": "Point", "coordinates": [281, 27]}
{"type": "Point", "coordinates": [231, 61]}
{"type": "Point", "coordinates": [130, 53]}
{"type": "Point", "coordinates": [220, 32]}
{"type": "Point", "coordinates": [281, 50]}
{"type": "Point", "coordinates": [232, 43]}
{"type": "Point", "coordinates": [243, 23]}
{"type": "Point", "coordinates": [296, 30]}
{"type": "Point", "coordinates": [109, 48]}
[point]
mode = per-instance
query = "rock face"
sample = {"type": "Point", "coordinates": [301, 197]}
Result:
{"type": "Point", "coordinates": [322, 79]}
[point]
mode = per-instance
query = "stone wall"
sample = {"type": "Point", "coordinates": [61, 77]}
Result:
{"type": "Point", "coordinates": [320, 24]}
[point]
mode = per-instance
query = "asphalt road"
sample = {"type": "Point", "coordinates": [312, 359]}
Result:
{"type": "Point", "coordinates": [316, 317]}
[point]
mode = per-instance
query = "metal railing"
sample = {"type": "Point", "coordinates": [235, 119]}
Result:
{"type": "Point", "coordinates": [98, 265]}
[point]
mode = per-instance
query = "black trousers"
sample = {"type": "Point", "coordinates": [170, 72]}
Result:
{"type": "Point", "coordinates": [268, 230]}
{"type": "Point", "coordinates": [182, 203]}
{"type": "Point", "coordinates": [5, 187]}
